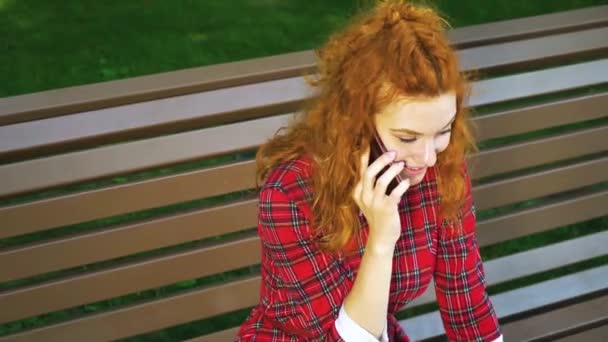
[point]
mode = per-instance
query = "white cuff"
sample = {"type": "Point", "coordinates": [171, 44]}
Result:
{"type": "Point", "coordinates": [499, 339]}
{"type": "Point", "coordinates": [350, 331]}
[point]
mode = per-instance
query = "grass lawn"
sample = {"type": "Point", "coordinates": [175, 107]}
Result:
{"type": "Point", "coordinates": [54, 44]}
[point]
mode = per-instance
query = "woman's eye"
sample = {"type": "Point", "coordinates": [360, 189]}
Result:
{"type": "Point", "coordinates": [407, 140]}
{"type": "Point", "coordinates": [411, 140]}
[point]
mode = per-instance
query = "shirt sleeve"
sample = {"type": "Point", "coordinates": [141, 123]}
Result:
{"type": "Point", "coordinates": [306, 286]}
{"type": "Point", "coordinates": [350, 331]}
{"type": "Point", "coordinates": [460, 285]}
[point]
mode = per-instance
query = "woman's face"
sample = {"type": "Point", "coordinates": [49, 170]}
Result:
{"type": "Point", "coordinates": [417, 129]}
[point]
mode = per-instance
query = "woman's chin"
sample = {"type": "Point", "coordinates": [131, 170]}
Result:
{"type": "Point", "coordinates": [414, 179]}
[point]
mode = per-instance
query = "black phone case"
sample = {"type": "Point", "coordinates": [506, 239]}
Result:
{"type": "Point", "coordinates": [377, 149]}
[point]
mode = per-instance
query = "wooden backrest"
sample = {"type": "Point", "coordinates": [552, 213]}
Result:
{"type": "Point", "coordinates": [141, 189]}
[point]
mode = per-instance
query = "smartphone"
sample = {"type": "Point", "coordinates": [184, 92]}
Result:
{"type": "Point", "coordinates": [377, 149]}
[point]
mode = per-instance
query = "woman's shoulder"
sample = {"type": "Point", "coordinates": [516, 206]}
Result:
{"type": "Point", "coordinates": [293, 179]}
{"type": "Point", "coordinates": [288, 172]}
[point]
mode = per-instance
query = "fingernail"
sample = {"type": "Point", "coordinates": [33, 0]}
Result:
{"type": "Point", "coordinates": [392, 154]}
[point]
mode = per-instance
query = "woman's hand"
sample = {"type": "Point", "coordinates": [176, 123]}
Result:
{"type": "Point", "coordinates": [379, 209]}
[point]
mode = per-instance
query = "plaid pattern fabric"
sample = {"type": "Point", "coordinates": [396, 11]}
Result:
{"type": "Point", "coordinates": [303, 288]}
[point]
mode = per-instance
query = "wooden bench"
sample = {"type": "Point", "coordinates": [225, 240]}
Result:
{"type": "Point", "coordinates": [142, 188]}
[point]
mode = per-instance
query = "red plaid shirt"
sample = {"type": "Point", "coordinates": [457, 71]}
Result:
{"type": "Point", "coordinates": [303, 288]}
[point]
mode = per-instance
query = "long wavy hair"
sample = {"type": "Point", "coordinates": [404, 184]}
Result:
{"type": "Point", "coordinates": [392, 51]}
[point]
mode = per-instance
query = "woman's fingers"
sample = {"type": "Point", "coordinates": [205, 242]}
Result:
{"type": "Point", "coordinates": [399, 190]}
{"type": "Point", "coordinates": [372, 186]}
{"type": "Point", "coordinates": [385, 179]}
{"type": "Point", "coordinates": [369, 179]}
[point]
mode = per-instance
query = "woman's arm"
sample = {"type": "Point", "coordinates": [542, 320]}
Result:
{"type": "Point", "coordinates": [367, 302]}
{"type": "Point", "coordinates": [460, 285]}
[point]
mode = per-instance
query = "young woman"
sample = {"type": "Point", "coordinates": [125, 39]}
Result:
{"type": "Point", "coordinates": [342, 251]}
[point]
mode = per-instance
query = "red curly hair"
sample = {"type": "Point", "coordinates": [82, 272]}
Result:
{"type": "Point", "coordinates": [395, 50]}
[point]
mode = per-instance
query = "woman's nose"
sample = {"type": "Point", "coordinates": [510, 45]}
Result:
{"type": "Point", "coordinates": [427, 156]}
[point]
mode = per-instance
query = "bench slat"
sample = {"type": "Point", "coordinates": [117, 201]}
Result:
{"type": "Point", "coordinates": [540, 184]}
{"type": "Point", "coordinates": [239, 176]}
{"type": "Point", "coordinates": [121, 280]}
{"type": "Point", "coordinates": [513, 55]}
{"type": "Point", "coordinates": [221, 336]}
{"type": "Point", "coordinates": [159, 314]}
{"type": "Point", "coordinates": [60, 254]}
{"type": "Point", "coordinates": [593, 335]}
{"type": "Point", "coordinates": [509, 303]}
{"type": "Point", "coordinates": [48, 213]}
{"type": "Point", "coordinates": [540, 219]}
{"type": "Point", "coordinates": [54, 103]}
{"type": "Point", "coordinates": [535, 83]}
{"type": "Point", "coordinates": [181, 266]}
{"type": "Point", "coordinates": [547, 258]}
{"type": "Point", "coordinates": [559, 322]}
{"type": "Point", "coordinates": [536, 117]}
{"type": "Point", "coordinates": [529, 27]}
{"type": "Point", "coordinates": [534, 261]}
{"type": "Point", "coordinates": [81, 130]}
{"type": "Point", "coordinates": [95, 96]}
{"type": "Point", "coordinates": [129, 157]}
{"type": "Point", "coordinates": [157, 116]}
{"type": "Point", "coordinates": [97, 246]}
{"type": "Point", "coordinates": [540, 151]}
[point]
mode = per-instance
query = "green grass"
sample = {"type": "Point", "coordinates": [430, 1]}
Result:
{"type": "Point", "coordinates": [53, 44]}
